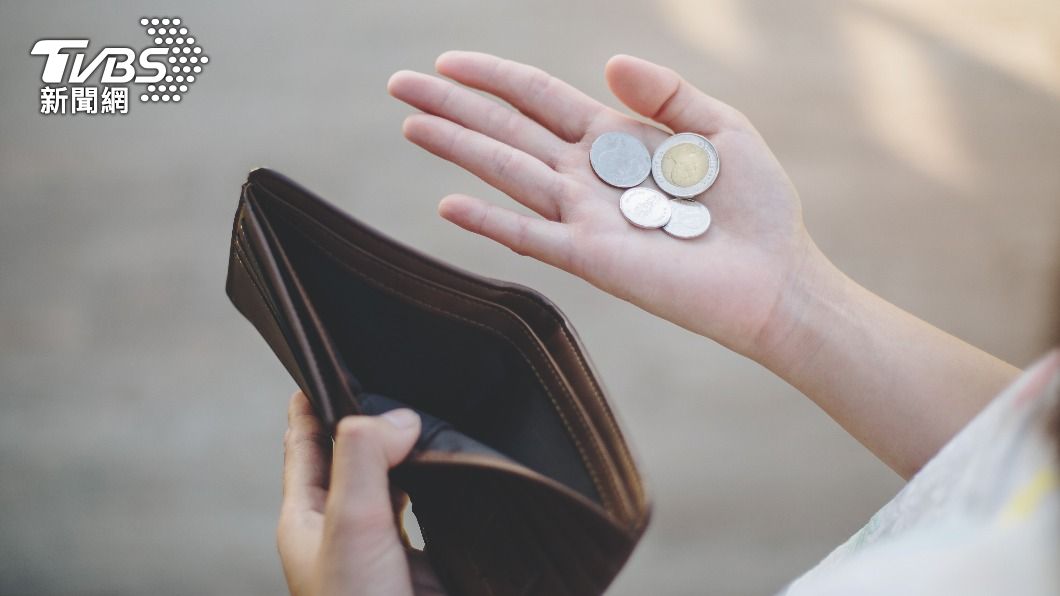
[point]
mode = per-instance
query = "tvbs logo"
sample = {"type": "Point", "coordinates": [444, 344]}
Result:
{"type": "Point", "coordinates": [166, 69]}
{"type": "Point", "coordinates": [118, 63]}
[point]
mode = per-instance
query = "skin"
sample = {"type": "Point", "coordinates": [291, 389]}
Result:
{"type": "Point", "coordinates": [755, 283]}
{"type": "Point", "coordinates": [337, 532]}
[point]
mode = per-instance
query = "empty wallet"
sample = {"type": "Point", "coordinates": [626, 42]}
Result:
{"type": "Point", "coordinates": [520, 480]}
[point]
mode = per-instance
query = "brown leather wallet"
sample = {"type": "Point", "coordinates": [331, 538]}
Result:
{"type": "Point", "coordinates": [520, 479]}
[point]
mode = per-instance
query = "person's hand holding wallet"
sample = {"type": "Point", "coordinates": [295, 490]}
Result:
{"type": "Point", "coordinates": [337, 532]}
{"type": "Point", "coordinates": [519, 477]}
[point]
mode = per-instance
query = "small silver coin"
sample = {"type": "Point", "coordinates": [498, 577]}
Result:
{"type": "Point", "coordinates": [645, 207]}
{"type": "Point", "coordinates": [688, 219]}
{"type": "Point", "coordinates": [620, 159]}
{"type": "Point", "coordinates": [685, 165]}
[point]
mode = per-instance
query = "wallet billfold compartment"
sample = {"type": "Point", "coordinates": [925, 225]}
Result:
{"type": "Point", "coordinates": [521, 480]}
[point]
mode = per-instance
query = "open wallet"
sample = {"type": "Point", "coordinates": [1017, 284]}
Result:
{"type": "Point", "coordinates": [520, 480]}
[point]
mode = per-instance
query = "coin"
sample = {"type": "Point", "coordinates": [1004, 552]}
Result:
{"type": "Point", "coordinates": [620, 159]}
{"type": "Point", "coordinates": [688, 219]}
{"type": "Point", "coordinates": [685, 165]}
{"type": "Point", "coordinates": [645, 207]}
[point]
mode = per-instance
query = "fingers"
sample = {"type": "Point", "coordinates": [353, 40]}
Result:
{"type": "Point", "coordinates": [453, 102]}
{"type": "Point", "coordinates": [306, 456]}
{"type": "Point", "coordinates": [558, 106]}
{"type": "Point", "coordinates": [359, 547]}
{"type": "Point", "coordinates": [661, 94]}
{"type": "Point", "coordinates": [511, 171]}
{"type": "Point", "coordinates": [366, 447]}
{"type": "Point", "coordinates": [544, 240]}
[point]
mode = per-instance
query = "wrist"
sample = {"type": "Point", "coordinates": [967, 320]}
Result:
{"type": "Point", "coordinates": [812, 297]}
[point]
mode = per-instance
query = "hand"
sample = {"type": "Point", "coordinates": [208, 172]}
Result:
{"type": "Point", "coordinates": [755, 282]}
{"type": "Point", "coordinates": [337, 533]}
{"type": "Point", "coordinates": [730, 284]}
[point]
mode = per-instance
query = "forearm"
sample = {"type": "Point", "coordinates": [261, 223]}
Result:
{"type": "Point", "coordinates": [900, 386]}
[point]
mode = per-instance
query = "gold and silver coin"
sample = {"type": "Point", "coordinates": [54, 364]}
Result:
{"type": "Point", "coordinates": [685, 165]}
{"type": "Point", "coordinates": [620, 159]}
{"type": "Point", "coordinates": [645, 207]}
{"type": "Point", "coordinates": [688, 219]}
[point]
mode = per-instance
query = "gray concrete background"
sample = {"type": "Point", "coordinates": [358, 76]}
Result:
{"type": "Point", "coordinates": [140, 441]}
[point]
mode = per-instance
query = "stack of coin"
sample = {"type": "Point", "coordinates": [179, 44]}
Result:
{"type": "Point", "coordinates": [684, 166]}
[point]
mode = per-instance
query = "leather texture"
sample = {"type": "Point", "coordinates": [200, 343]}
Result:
{"type": "Point", "coordinates": [521, 480]}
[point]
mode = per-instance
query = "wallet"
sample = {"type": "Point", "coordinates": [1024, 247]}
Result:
{"type": "Point", "coordinates": [520, 480]}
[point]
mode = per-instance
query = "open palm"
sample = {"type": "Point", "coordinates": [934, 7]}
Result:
{"type": "Point", "coordinates": [724, 284]}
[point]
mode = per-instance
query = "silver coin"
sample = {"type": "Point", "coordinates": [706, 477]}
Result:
{"type": "Point", "coordinates": [688, 219]}
{"type": "Point", "coordinates": [685, 165]}
{"type": "Point", "coordinates": [645, 207]}
{"type": "Point", "coordinates": [620, 159]}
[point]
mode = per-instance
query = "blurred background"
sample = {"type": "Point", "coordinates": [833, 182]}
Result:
{"type": "Point", "coordinates": [142, 418]}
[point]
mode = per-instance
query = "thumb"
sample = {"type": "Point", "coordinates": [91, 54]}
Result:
{"type": "Point", "coordinates": [366, 447]}
{"type": "Point", "coordinates": [661, 94]}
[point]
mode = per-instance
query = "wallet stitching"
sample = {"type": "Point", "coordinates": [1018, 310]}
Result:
{"type": "Point", "coordinates": [623, 452]}
{"type": "Point", "coordinates": [608, 418]}
{"type": "Point", "coordinates": [559, 410]}
{"type": "Point", "coordinates": [597, 392]}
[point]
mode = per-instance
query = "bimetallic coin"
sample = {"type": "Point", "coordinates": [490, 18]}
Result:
{"type": "Point", "coordinates": [688, 219]}
{"type": "Point", "coordinates": [645, 207]}
{"type": "Point", "coordinates": [620, 159]}
{"type": "Point", "coordinates": [685, 165]}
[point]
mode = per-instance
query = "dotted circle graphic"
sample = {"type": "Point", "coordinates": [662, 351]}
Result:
{"type": "Point", "coordinates": [184, 56]}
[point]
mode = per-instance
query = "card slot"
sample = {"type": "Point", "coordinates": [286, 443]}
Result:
{"type": "Point", "coordinates": [329, 384]}
{"type": "Point", "coordinates": [252, 301]}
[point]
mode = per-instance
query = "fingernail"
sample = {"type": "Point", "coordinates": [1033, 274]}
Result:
{"type": "Point", "coordinates": [401, 418]}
